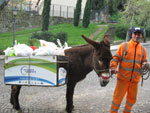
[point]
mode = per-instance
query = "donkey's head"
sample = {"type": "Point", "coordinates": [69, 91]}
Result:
{"type": "Point", "coordinates": [101, 58]}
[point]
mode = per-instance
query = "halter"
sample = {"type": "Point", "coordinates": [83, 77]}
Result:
{"type": "Point", "coordinates": [101, 71]}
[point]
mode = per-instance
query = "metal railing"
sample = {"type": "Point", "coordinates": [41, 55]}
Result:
{"type": "Point", "coordinates": [59, 10]}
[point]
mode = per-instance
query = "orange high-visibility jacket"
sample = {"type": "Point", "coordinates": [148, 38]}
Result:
{"type": "Point", "coordinates": [130, 56]}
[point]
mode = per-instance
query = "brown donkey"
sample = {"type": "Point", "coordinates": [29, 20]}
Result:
{"type": "Point", "coordinates": [82, 60]}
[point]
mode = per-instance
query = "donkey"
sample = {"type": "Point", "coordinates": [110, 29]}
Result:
{"type": "Point", "coordinates": [82, 60]}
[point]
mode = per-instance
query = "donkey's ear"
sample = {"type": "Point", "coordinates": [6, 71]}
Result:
{"type": "Point", "coordinates": [92, 42]}
{"type": "Point", "coordinates": [106, 40]}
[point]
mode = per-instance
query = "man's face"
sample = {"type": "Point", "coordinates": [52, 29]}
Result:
{"type": "Point", "coordinates": [137, 36]}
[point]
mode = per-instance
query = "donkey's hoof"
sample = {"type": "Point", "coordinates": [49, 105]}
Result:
{"type": "Point", "coordinates": [69, 110]}
{"type": "Point", "coordinates": [12, 103]}
{"type": "Point", "coordinates": [17, 108]}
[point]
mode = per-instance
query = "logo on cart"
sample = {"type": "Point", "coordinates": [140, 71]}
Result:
{"type": "Point", "coordinates": [62, 72]}
{"type": "Point", "coordinates": [25, 70]}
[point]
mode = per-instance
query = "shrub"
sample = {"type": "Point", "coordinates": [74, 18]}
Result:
{"type": "Point", "coordinates": [36, 35]}
{"type": "Point", "coordinates": [147, 32]}
{"type": "Point", "coordinates": [34, 42]}
{"type": "Point", "coordinates": [121, 31]}
{"type": "Point", "coordinates": [62, 36]}
{"type": "Point", "coordinates": [48, 36]}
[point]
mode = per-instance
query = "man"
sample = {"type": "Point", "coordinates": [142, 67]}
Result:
{"type": "Point", "coordinates": [129, 58]}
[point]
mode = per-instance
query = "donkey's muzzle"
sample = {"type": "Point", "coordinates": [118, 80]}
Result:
{"type": "Point", "coordinates": [104, 79]}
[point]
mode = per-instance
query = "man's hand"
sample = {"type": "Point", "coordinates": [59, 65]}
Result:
{"type": "Point", "coordinates": [113, 71]}
{"type": "Point", "coordinates": [145, 66]}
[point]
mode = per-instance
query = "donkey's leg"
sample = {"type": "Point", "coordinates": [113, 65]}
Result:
{"type": "Point", "coordinates": [69, 96]}
{"type": "Point", "coordinates": [14, 100]}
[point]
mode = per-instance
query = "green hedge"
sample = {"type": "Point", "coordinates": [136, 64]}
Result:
{"type": "Point", "coordinates": [121, 30]}
{"type": "Point", "coordinates": [148, 32]}
{"type": "Point", "coordinates": [48, 36]}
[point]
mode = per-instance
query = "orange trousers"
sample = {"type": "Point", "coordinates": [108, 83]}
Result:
{"type": "Point", "coordinates": [123, 87]}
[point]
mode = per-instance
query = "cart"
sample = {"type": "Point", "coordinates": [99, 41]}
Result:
{"type": "Point", "coordinates": [36, 70]}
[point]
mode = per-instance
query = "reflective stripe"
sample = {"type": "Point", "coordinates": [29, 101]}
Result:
{"type": "Point", "coordinates": [131, 61]}
{"type": "Point", "coordinates": [124, 75]}
{"type": "Point", "coordinates": [117, 105]}
{"type": "Point", "coordinates": [115, 60]}
{"type": "Point", "coordinates": [128, 77]}
{"type": "Point", "coordinates": [115, 110]}
{"type": "Point", "coordinates": [126, 109]}
{"type": "Point", "coordinates": [129, 69]}
{"type": "Point", "coordinates": [129, 104]}
{"type": "Point", "coordinates": [118, 56]}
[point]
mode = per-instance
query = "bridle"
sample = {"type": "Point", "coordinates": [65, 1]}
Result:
{"type": "Point", "coordinates": [102, 71]}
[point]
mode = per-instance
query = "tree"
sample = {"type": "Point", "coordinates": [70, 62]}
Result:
{"type": "Point", "coordinates": [3, 3]}
{"type": "Point", "coordinates": [86, 16]}
{"type": "Point", "coordinates": [115, 5]}
{"type": "Point", "coordinates": [97, 4]}
{"type": "Point", "coordinates": [137, 13]}
{"type": "Point", "coordinates": [96, 7]}
{"type": "Point", "coordinates": [45, 15]}
{"type": "Point", "coordinates": [77, 13]}
{"type": "Point", "coordinates": [144, 15]}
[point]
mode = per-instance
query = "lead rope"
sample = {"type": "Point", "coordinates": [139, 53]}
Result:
{"type": "Point", "coordinates": [143, 73]}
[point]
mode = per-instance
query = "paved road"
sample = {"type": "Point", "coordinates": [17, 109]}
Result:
{"type": "Point", "coordinates": [89, 97]}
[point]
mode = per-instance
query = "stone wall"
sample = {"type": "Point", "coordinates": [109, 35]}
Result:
{"type": "Point", "coordinates": [26, 21]}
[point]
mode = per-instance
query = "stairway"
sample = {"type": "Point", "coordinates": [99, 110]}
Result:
{"type": "Point", "coordinates": [110, 33]}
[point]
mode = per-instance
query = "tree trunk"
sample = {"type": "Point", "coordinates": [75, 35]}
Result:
{"type": "Point", "coordinates": [46, 15]}
{"type": "Point", "coordinates": [144, 34]}
{"type": "Point", "coordinates": [128, 35]}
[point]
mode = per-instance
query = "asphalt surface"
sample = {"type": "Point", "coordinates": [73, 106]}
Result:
{"type": "Point", "coordinates": [89, 97]}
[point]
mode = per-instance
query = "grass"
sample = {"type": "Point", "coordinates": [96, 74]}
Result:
{"type": "Point", "coordinates": [22, 32]}
{"type": "Point", "coordinates": [101, 34]}
{"type": "Point", "coordinates": [74, 34]}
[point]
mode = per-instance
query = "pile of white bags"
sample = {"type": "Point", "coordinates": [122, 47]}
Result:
{"type": "Point", "coordinates": [47, 48]}
{"type": "Point", "coordinates": [23, 50]}
{"type": "Point", "coordinates": [50, 48]}
{"type": "Point", "coordinates": [18, 50]}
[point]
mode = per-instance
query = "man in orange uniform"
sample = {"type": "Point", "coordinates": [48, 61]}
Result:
{"type": "Point", "coordinates": [129, 59]}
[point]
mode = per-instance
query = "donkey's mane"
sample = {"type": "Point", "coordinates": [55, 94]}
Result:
{"type": "Point", "coordinates": [87, 48]}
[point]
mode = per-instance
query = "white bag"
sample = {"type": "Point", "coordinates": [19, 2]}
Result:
{"type": "Point", "coordinates": [22, 50]}
{"type": "Point", "coordinates": [9, 51]}
{"type": "Point", "coordinates": [48, 44]}
{"type": "Point", "coordinates": [42, 51]}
